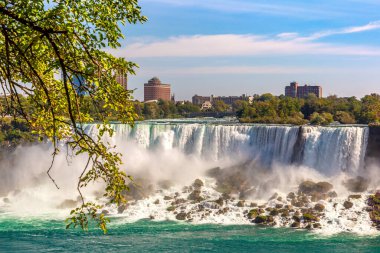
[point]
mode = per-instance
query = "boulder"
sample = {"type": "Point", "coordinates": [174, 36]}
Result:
{"type": "Point", "coordinates": [274, 212]}
{"type": "Point", "coordinates": [296, 218]}
{"type": "Point", "coordinates": [156, 202]}
{"type": "Point", "coordinates": [291, 195]}
{"type": "Point", "coordinates": [214, 172]}
{"type": "Point", "coordinates": [348, 204]}
{"type": "Point", "coordinates": [240, 203]}
{"type": "Point", "coordinates": [296, 224]}
{"type": "Point", "coordinates": [219, 201]}
{"type": "Point", "coordinates": [121, 209]}
{"type": "Point", "coordinates": [198, 184]}
{"type": "Point", "coordinates": [181, 216]}
{"type": "Point", "coordinates": [253, 214]}
{"type": "Point", "coordinates": [319, 207]}
{"type": "Point", "coordinates": [170, 208]}
{"type": "Point", "coordinates": [195, 196]}
{"type": "Point", "coordinates": [309, 187]}
{"type": "Point", "coordinates": [358, 184]}
{"type": "Point", "coordinates": [310, 217]}
{"type": "Point", "coordinates": [332, 194]}
{"type": "Point", "coordinates": [261, 219]}
{"type": "Point", "coordinates": [167, 198]}
{"type": "Point", "coordinates": [253, 204]}
{"type": "Point", "coordinates": [355, 196]}
{"type": "Point", "coordinates": [285, 213]}
{"type": "Point", "coordinates": [274, 196]}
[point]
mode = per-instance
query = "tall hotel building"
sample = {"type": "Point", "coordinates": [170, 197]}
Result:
{"type": "Point", "coordinates": [295, 91]}
{"type": "Point", "coordinates": [155, 90]}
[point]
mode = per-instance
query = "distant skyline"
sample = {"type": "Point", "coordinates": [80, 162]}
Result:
{"type": "Point", "coordinates": [239, 47]}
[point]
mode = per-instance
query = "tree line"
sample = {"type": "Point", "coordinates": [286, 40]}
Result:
{"type": "Point", "coordinates": [271, 109]}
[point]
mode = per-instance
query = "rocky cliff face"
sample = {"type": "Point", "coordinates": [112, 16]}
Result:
{"type": "Point", "coordinates": [373, 147]}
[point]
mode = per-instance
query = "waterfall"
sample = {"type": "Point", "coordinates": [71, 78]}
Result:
{"type": "Point", "coordinates": [326, 149]}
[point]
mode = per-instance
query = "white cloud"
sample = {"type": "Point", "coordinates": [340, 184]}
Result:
{"type": "Point", "coordinates": [237, 45]}
{"type": "Point", "coordinates": [348, 30]}
{"type": "Point", "coordinates": [204, 70]}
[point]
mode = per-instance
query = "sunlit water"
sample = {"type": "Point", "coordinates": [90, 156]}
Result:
{"type": "Point", "coordinates": [181, 151]}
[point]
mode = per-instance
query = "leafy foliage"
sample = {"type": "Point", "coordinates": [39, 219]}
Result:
{"type": "Point", "coordinates": [52, 52]}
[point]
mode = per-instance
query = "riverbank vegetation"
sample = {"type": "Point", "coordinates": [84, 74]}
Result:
{"type": "Point", "coordinates": [271, 109]}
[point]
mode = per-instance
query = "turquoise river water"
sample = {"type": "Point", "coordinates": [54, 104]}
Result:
{"type": "Point", "coordinates": [36, 235]}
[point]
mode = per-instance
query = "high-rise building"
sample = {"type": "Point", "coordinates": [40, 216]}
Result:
{"type": "Point", "coordinates": [122, 78]}
{"type": "Point", "coordinates": [155, 90]}
{"type": "Point", "coordinates": [296, 91]}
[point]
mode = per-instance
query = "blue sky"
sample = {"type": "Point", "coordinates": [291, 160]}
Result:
{"type": "Point", "coordinates": [231, 47]}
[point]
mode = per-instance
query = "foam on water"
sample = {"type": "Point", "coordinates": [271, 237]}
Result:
{"type": "Point", "coordinates": [182, 152]}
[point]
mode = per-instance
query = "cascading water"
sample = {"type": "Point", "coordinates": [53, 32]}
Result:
{"type": "Point", "coordinates": [326, 149]}
{"type": "Point", "coordinates": [257, 160]}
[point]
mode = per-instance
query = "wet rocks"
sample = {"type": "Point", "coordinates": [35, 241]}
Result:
{"type": "Point", "coordinates": [358, 184]}
{"type": "Point", "coordinates": [252, 214]}
{"type": "Point", "coordinates": [240, 203]}
{"type": "Point", "coordinates": [181, 216]}
{"type": "Point", "coordinates": [309, 217]}
{"type": "Point", "coordinates": [374, 209]}
{"type": "Point", "coordinates": [309, 187]}
{"type": "Point", "coordinates": [319, 207]}
{"type": "Point", "coordinates": [195, 196]}
{"type": "Point", "coordinates": [291, 195]}
{"type": "Point", "coordinates": [198, 184]}
{"type": "Point", "coordinates": [355, 196]}
{"type": "Point", "coordinates": [274, 196]}
{"type": "Point", "coordinates": [296, 224]}
{"type": "Point", "coordinates": [121, 209]}
{"type": "Point", "coordinates": [348, 204]}
{"type": "Point", "coordinates": [220, 201]}
{"type": "Point", "coordinates": [261, 219]}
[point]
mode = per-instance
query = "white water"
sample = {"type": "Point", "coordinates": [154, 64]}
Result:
{"type": "Point", "coordinates": [182, 152]}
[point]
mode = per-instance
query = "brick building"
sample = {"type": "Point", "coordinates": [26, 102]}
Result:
{"type": "Point", "coordinates": [155, 90]}
{"type": "Point", "coordinates": [296, 91]}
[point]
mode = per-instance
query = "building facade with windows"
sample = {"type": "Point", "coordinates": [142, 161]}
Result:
{"type": "Point", "coordinates": [296, 91]}
{"type": "Point", "coordinates": [155, 90]}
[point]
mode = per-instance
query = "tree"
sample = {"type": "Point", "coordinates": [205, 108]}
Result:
{"type": "Point", "coordinates": [324, 118]}
{"type": "Point", "coordinates": [370, 109]}
{"type": "Point", "coordinates": [344, 117]}
{"type": "Point", "coordinates": [220, 106]}
{"type": "Point", "coordinates": [49, 51]}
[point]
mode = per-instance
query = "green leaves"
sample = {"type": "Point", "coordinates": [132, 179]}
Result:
{"type": "Point", "coordinates": [45, 50]}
